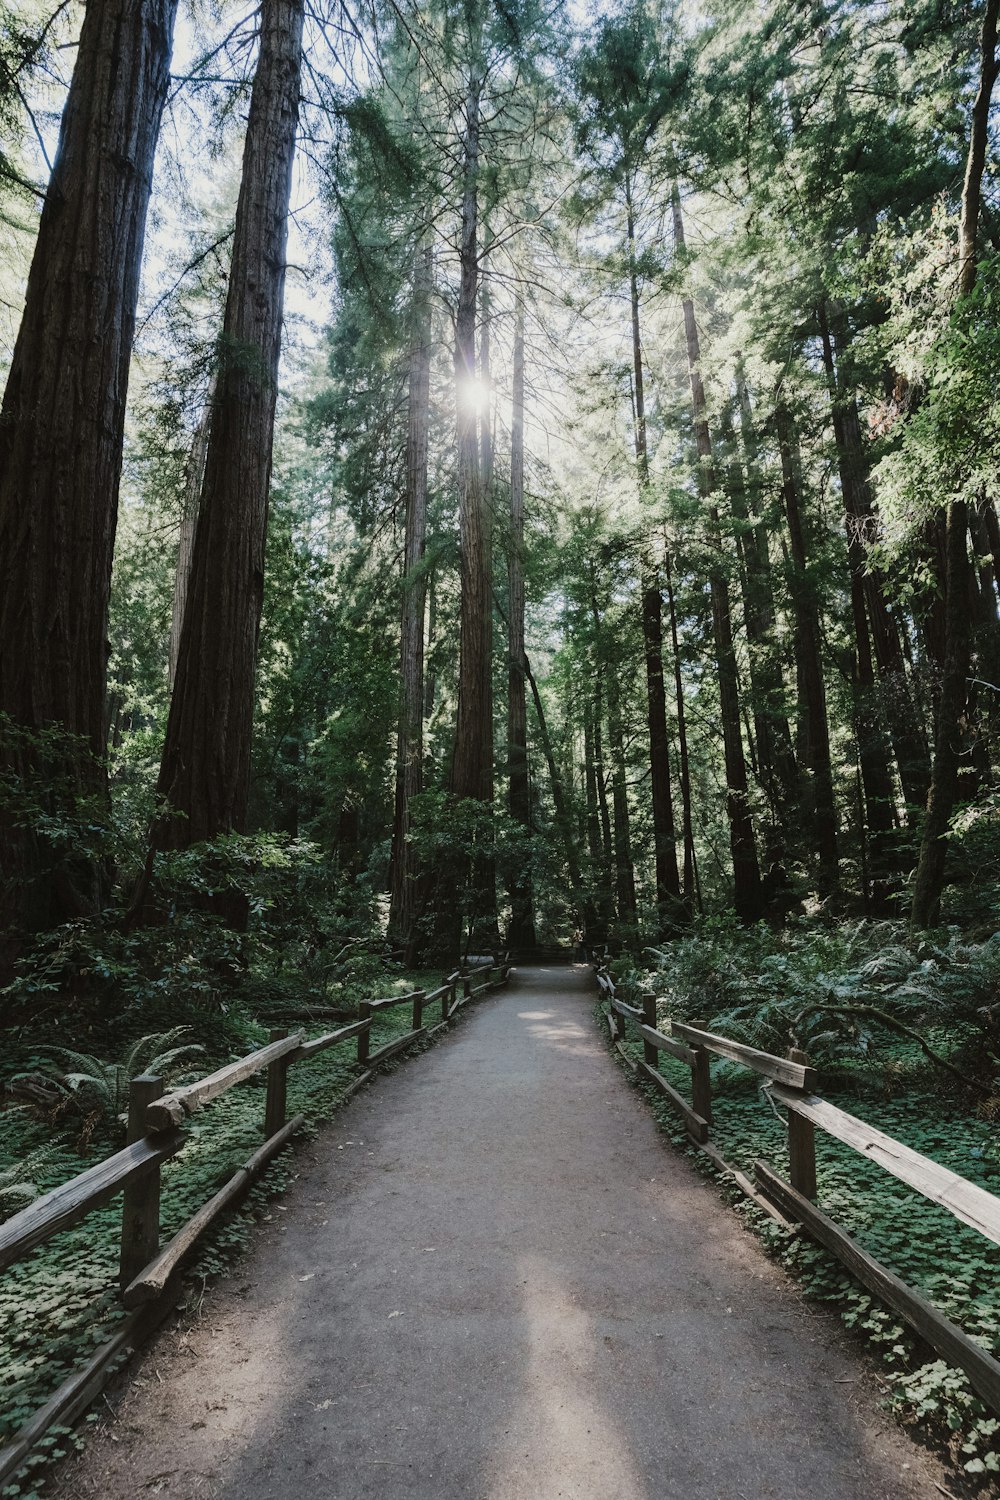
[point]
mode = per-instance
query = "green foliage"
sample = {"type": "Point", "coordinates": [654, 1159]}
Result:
{"type": "Point", "coordinates": [59, 1304]}
{"type": "Point", "coordinates": [951, 1265]}
{"type": "Point", "coordinates": [101, 1087]}
{"type": "Point", "coordinates": [779, 989]}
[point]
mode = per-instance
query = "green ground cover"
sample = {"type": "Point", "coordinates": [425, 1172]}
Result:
{"type": "Point", "coordinates": [886, 1079]}
{"type": "Point", "coordinates": [61, 1302]}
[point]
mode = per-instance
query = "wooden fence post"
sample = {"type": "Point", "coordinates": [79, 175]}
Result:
{"type": "Point", "coordinates": [701, 1079]}
{"type": "Point", "coordinates": [418, 1008]}
{"type": "Point", "coordinates": [364, 1037]}
{"type": "Point", "coordinates": [140, 1241]}
{"type": "Point", "coordinates": [275, 1107]}
{"type": "Point", "coordinates": [801, 1144]}
{"type": "Point", "coordinates": [447, 997]}
{"type": "Point", "coordinates": [649, 1052]}
{"type": "Point", "coordinates": [466, 985]}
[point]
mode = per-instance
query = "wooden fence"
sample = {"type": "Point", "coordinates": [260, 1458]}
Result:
{"type": "Point", "coordinates": [790, 1081]}
{"type": "Point", "coordinates": [147, 1272]}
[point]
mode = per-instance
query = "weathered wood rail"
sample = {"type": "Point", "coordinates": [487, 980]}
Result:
{"type": "Point", "coordinates": [790, 1081]}
{"type": "Point", "coordinates": [148, 1272]}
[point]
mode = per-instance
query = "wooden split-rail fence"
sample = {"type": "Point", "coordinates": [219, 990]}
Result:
{"type": "Point", "coordinates": [147, 1272]}
{"type": "Point", "coordinates": [791, 1082]}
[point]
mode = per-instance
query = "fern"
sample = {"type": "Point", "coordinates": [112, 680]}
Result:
{"type": "Point", "coordinates": [102, 1085]}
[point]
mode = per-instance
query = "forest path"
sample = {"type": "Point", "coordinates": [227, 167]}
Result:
{"type": "Point", "coordinates": [491, 1280]}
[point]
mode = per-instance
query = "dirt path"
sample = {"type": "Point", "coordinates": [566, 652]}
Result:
{"type": "Point", "coordinates": [492, 1281]}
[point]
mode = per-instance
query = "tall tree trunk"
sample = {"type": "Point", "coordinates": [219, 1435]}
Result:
{"type": "Point", "coordinates": [472, 772]}
{"type": "Point", "coordinates": [747, 890]}
{"type": "Point", "coordinates": [909, 748]}
{"type": "Point", "coordinates": [205, 771]}
{"type": "Point", "coordinates": [777, 771]}
{"type": "Point", "coordinates": [522, 925]}
{"type": "Point", "coordinates": [874, 754]}
{"type": "Point", "coordinates": [950, 725]}
{"type": "Point", "coordinates": [193, 480]}
{"type": "Point", "coordinates": [668, 885]}
{"type": "Point", "coordinates": [564, 820]}
{"type": "Point", "coordinates": [472, 766]}
{"type": "Point", "coordinates": [600, 850]}
{"type": "Point", "coordinates": [807, 654]}
{"type": "Point", "coordinates": [403, 898]}
{"type": "Point", "coordinates": [602, 779]}
{"type": "Point", "coordinates": [624, 865]}
{"type": "Point", "coordinates": [687, 823]}
{"type": "Point", "coordinates": [61, 432]}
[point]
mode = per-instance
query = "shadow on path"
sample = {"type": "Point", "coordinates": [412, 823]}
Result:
{"type": "Point", "coordinates": [492, 1281]}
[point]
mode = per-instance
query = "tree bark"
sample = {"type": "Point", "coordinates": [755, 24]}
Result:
{"type": "Point", "coordinates": [205, 771]}
{"type": "Point", "coordinates": [600, 851]}
{"type": "Point", "coordinates": [521, 935]}
{"type": "Point", "coordinates": [61, 432]}
{"type": "Point", "coordinates": [668, 885]}
{"type": "Point", "coordinates": [193, 481]}
{"type": "Point", "coordinates": [472, 772]}
{"type": "Point", "coordinates": [747, 890]}
{"type": "Point", "coordinates": [403, 899]}
{"type": "Point", "coordinates": [972, 189]}
{"type": "Point", "coordinates": [807, 654]}
{"type": "Point", "coordinates": [776, 758]}
{"type": "Point", "coordinates": [687, 823]}
{"type": "Point", "coordinates": [951, 710]}
{"type": "Point", "coordinates": [908, 745]}
{"type": "Point", "coordinates": [624, 864]}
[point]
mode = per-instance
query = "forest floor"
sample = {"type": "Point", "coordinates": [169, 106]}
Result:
{"type": "Point", "coordinates": [491, 1279]}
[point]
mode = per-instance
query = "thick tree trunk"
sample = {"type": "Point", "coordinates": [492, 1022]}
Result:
{"type": "Point", "coordinates": [668, 885]}
{"type": "Point", "coordinates": [747, 889]}
{"type": "Point", "coordinates": [193, 481]}
{"type": "Point", "coordinates": [522, 925]}
{"type": "Point", "coordinates": [205, 771]}
{"type": "Point", "coordinates": [61, 431]}
{"type": "Point", "coordinates": [951, 709]}
{"type": "Point", "coordinates": [403, 898]}
{"type": "Point", "coordinates": [816, 738]}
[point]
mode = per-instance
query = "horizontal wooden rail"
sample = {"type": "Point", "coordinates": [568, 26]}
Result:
{"type": "Point", "coordinates": [399, 1045]}
{"type": "Point", "coordinates": [147, 1272]}
{"type": "Point", "coordinates": [66, 1205]}
{"type": "Point", "coordinates": [971, 1204]}
{"type": "Point", "coordinates": [794, 1074]}
{"type": "Point", "coordinates": [321, 1043]}
{"type": "Point", "coordinates": [174, 1107]}
{"type": "Point", "coordinates": [152, 1281]}
{"type": "Point", "coordinates": [626, 1010]}
{"type": "Point", "coordinates": [389, 1001]}
{"type": "Point", "coordinates": [697, 1126]}
{"type": "Point", "coordinates": [983, 1371]}
{"type": "Point", "coordinates": [667, 1044]}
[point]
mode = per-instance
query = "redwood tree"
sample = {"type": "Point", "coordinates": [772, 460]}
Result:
{"type": "Point", "coordinates": [410, 738]}
{"type": "Point", "coordinates": [205, 771]}
{"type": "Point", "coordinates": [61, 431]}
